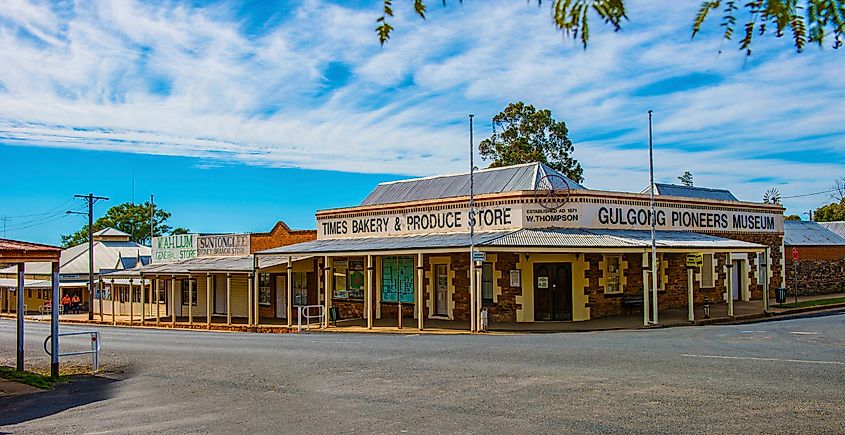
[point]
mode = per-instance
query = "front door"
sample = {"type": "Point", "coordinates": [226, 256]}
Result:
{"type": "Point", "coordinates": [281, 297]}
{"type": "Point", "coordinates": [736, 279]}
{"type": "Point", "coordinates": [441, 292]}
{"type": "Point", "coordinates": [553, 291]}
{"type": "Point", "coordinates": [219, 288]}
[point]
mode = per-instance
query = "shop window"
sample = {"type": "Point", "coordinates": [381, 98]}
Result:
{"type": "Point", "coordinates": [193, 284]}
{"type": "Point", "coordinates": [300, 288]}
{"type": "Point", "coordinates": [339, 270]}
{"type": "Point", "coordinates": [487, 284]}
{"type": "Point", "coordinates": [707, 278]}
{"type": "Point", "coordinates": [264, 280]}
{"type": "Point", "coordinates": [348, 279]}
{"type": "Point", "coordinates": [613, 274]}
{"type": "Point", "coordinates": [397, 279]}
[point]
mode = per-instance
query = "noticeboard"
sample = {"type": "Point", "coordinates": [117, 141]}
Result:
{"type": "Point", "coordinates": [695, 259]}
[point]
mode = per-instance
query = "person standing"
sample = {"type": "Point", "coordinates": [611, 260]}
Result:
{"type": "Point", "coordinates": [66, 304]}
{"type": "Point", "coordinates": [76, 302]}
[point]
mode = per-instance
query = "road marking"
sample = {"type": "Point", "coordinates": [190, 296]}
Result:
{"type": "Point", "coordinates": [751, 331]}
{"type": "Point", "coordinates": [804, 332]}
{"type": "Point", "coordinates": [753, 358]}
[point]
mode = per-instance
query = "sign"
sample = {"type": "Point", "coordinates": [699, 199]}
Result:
{"type": "Point", "coordinates": [696, 259]}
{"type": "Point", "coordinates": [794, 253]}
{"type": "Point", "coordinates": [516, 279]}
{"type": "Point", "coordinates": [479, 256]}
{"type": "Point", "coordinates": [223, 245]}
{"type": "Point", "coordinates": [600, 213]}
{"type": "Point", "coordinates": [543, 282]}
{"type": "Point", "coordinates": [174, 248]}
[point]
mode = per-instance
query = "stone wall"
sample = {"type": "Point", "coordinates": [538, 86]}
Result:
{"type": "Point", "coordinates": [821, 270]}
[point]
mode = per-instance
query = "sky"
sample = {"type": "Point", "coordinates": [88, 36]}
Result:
{"type": "Point", "coordinates": [237, 114]}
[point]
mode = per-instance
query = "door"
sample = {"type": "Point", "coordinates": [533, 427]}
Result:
{"type": "Point", "coordinates": [281, 297]}
{"type": "Point", "coordinates": [736, 279]}
{"type": "Point", "coordinates": [219, 287]}
{"type": "Point", "coordinates": [441, 291]}
{"type": "Point", "coordinates": [553, 291]}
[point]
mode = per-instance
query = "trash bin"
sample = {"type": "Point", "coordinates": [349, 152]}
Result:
{"type": "Point", "coordinates": [334, 315]}
{"type": "Point", "coordinates": [780, 295]}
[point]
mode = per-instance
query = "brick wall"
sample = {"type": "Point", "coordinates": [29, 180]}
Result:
{"type": "Point", "coordinates": [821, 270]}
{"type": "Point", "coordinates": [280, 235]}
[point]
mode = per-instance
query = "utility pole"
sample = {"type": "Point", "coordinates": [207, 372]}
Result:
{"type": "Point", "coordinates": [152, 222]}
{"type": "Point", "coordinates": [473, 323]}
{"type": "Point", "coordinates": [91, 199]}
{"type": "Point", "coordinates": [654, 267]}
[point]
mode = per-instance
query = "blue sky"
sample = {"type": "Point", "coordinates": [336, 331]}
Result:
{"type": "Point", "coordinates": [238, 114]}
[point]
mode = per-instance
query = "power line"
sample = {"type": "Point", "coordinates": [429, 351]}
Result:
{"type": "Point", "coordinates": [49, 211]}
{"type": "Point", "coordinates": [810, 194]}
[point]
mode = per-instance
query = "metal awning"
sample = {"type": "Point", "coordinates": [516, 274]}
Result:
{"type": "Point", "coordinates": [241, 264]}
{"type": "Point", "coordinates": [573, 240]}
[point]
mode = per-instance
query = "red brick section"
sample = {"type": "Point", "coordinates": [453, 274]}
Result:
{"type": "Point", "coordinates": [280, 235]}
{"type": "Point", "coordinates": [821, 270]}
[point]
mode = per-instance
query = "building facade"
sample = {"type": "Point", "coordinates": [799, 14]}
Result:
{"type": "Point", "coordinates": [820, 267]}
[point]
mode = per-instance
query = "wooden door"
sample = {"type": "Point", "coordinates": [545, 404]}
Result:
{"type": "Point", "coordinates": [281, 297]}
{"type": "Point", "coordinates": [552, 291]}
{"type": "Point", "coordinates": [441, 292]}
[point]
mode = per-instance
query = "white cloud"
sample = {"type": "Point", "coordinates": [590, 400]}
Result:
{"type": "Point", "coordinates": [167, 79]}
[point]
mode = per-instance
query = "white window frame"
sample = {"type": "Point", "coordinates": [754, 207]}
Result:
{"type": "Point", "coordinates": [711, 271]}
{"type": "Point", "coordinates": [608, 275]}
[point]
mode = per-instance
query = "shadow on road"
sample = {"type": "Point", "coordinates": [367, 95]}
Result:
{"type": "Point", "coordinates": [76, 392]}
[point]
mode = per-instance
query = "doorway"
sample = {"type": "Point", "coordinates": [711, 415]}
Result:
{"type": "Point", "coordinates": [736, 279]}
{"type": "Point", "coordinates": [281, 297]}
{"type": "Point", "coordinates": [441, 290]}
{"type": "Point", "coordinates": [553, 291]}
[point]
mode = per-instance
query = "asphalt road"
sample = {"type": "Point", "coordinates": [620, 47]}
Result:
{"type": "Point", "coordinates": [777, 377]}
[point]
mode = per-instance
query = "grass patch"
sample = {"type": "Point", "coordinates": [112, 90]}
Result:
{"type": "Point", "coordinates": [813, 303]}
{"type": "Point", "coordinates": [34, 379]}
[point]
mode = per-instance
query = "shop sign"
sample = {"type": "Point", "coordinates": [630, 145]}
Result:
{"type": "Point", "coordinates": [223, 245]}
{"type": "Point", "coordinates": [695, 259]}
{"type": "Point", "coordinates": [174, 248]}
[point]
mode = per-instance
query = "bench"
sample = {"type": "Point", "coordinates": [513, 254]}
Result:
{"type": "Point", "coordinates": [631, 301]}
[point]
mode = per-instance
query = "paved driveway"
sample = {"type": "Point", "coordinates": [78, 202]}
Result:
{"type": "Point", "coordinates": [785, 376]}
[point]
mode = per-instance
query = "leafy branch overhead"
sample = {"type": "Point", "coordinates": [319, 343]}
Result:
{"type": "Point", "coordinates": [806, 21]}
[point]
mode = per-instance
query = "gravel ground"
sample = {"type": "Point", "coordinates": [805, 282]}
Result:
{"type": "Point", "coordinates": [777, 377]}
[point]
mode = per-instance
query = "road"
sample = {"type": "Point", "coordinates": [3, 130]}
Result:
{"type": "Point", "coordinates": [779, 377]}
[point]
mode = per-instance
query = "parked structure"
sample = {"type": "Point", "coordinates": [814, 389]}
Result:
{"type": "Point", "coordinates": [548, 249]}
{"type": "Point", "coordinates": [821, 259]}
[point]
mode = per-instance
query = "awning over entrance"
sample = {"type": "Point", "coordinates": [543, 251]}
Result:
{"type": "Point", "coordinates": [634, 240]}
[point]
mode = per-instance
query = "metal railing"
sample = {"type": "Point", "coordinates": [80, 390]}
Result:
{"type": "Point", "coordinates": [304, 311]}
{"type": "Point", "coordinates": [95, 347]}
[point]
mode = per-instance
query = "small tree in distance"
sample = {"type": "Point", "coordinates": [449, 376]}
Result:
{"type": "Point", "coordinates": [686, 179]}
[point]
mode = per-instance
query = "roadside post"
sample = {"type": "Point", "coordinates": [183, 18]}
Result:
{"type": "Point", "coordinates": [795, 272]}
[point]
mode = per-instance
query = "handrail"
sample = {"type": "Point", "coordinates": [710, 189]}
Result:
{"type": "Point", "coordinates": [95, 347]}
{"type": "Point", "coordinates": [305, 311]}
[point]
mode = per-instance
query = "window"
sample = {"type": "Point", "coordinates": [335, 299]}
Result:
{"type": "Point", "coordinates": [185, 292]}
{"type": "Point", "coordinates": [487, 284]}
{"type": "Point", "coordinates": [339, 270]}
{"type": "Point", "coordinates": [29, 293]}
{"type": "Point", "coordinates": [397, 279]}
{"type": "Point", "coordinates": [613, 274]}
{"type": "Point", "coordinates": [264, 280]}
{"type": "Point", "coordinates": [300, 288]}
{"type": "Point", "coordinates": [355, 279]}
{"type": "Point", "coordinates": [707, 278]}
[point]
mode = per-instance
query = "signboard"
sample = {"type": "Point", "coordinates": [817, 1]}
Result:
{"type": "Point", "coordinates": [542, 282]}
{"type": "Point", "coordinates": [223, 245]}
{"type": "Point", "coordinates": [795, 253]}
{"type": "Point", "coordinates": [479, 256]}
{"type": "Point", "coordinates": [515, 278]}
{"type": "Point", "coordinates": [695, 259]}
{"type": "Point", "coordinates": [174, 248]}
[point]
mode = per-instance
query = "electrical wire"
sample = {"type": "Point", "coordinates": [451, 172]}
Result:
{"type": "Point", "coordinates": [49, 211]}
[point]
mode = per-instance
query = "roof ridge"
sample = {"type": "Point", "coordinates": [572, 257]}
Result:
{"type": "Point", "coordinates": [432, 177]}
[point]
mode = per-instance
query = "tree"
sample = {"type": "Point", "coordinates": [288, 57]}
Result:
{"type": "Point", "coordinates": [686, 179]}
{"type": "Point", "coordinates": [523, 134]}
{"type": "Point", "coordinates": [834, 211]}
{"type": "Point", "coordinates": [792, 217]}
{"type": "Point", "coordinates": [807, 21]}
{"type": "Point", "coordinates": [133, 219]}
{"type": "Point", "coordinates": [772, 196]}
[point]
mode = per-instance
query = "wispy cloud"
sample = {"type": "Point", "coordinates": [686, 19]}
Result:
{"type": "Point", "coordinates": [173, 79]}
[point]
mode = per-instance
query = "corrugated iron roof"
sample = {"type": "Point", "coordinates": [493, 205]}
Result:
{"type": "Point", "coordinates": [837, 227]}
{"type": "Point", "coordinates": [74, 260]}
{"type": "Point", "coordinates": [560, 238]}
{"type": "Point", "coordinates": [213, 264]}
{"type": "Point", "coordinates": [395, 243]}
{"type": "Point", "coordinates": [692, 192]}
{"type": "Point", "coordinates": [492, 180]}
{"type": "Point", "coordinates": [805, 233]}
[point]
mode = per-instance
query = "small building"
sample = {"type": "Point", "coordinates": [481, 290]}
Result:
{"type": "Point", "coordinates": [111, 246]}
{"type": "Point", "coordinates": [547, 249]}
{"type": "Point", "coordinates": [821, 259]}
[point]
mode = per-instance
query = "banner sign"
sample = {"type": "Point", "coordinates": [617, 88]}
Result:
{"type": "Point", "coordinates": [695, 259]}
{"type": "Point", "coordinates": [587, 215]}
{"type": "Point", "coordinates": [223, 245]}
{"type": "Point", "coordinates": [174, 248]}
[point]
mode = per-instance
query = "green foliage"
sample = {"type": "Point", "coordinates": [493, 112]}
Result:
{"type": "Point", "coordinates": [808, 21]}
{"type": "Point", "coordinates": [133, 219]}
{"type": "Point", "coordinates": [686, 179]}
{"type": "Point", "coordinates": [792, 217]}
{"type": "Point", "coordinates": [772, 196]}
{"type": "Point", "coordinates": [831, 212]}
{"type": "Point", "coordinates": [523, 134]}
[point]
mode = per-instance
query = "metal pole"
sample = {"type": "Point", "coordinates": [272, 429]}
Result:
{"type": "Point", "coordinates": [690, 296]}
{"type": "Point", "coordinates": [369, 292]}
{"type": "Point", "coordinates": [289, 282]}
{"type": "Point", "coordinates": [90, 255]}
{"type": "Point", "coordinates": [20, 314]}
{"type": "Point", "coordinates": [654, 266]}
{"type": "Point", "coordinates": [795, 278]}
{"type": "Point", "coordinates": [54, 323]}
{"type": "Point", "coordinates": [472, 301]}
{"type": "Point", "coordinates": [420, 297]}
{"type": "Point", "coordinates": [766, 260]}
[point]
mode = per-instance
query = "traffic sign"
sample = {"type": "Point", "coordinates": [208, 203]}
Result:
{"type": "Point", "coordinates": [695, 259]}
{"type": "Point", "coordinates": [794, 253]}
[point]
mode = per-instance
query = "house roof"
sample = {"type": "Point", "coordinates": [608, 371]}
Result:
{"type": "Point", "coordinates": [74, 260]}
{"type": "Point", "coordinates": [837, 227]}
{"type": "Point", "coordinates": [692, 192]}
{"type": "Point", "coordinates": [806, 233]}
{"type": "Point", "coordinates": [527, 176]}
{"type": "Point", "coordinates": [112, 234]}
